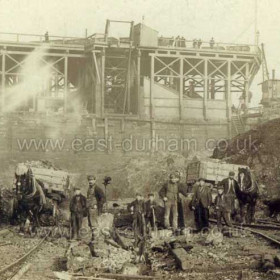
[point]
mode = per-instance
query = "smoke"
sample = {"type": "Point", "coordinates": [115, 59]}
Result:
{"type": "Point", "coordinates": [32, 80]}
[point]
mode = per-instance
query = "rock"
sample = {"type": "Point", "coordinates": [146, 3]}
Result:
{"type": "Point", "coordinates": [214, 238]}
{"type": "Point", "coordinates": [268, 257]}
{"type": "Point", "coordinates": [81, 250]}
{"type": "Point", "coordinates": [267, 262]}
{"type": "Point", "coordinates": [130, 269]}
{"type": "Point", "coordinates": [268, 266]}
{"type": "Point", "coordinates": [181, 258]}
{"type": "Point", "coordinates": [277, 260]}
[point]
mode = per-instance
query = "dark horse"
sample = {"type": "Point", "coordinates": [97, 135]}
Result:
{"type": "Point", "coordinates": [30, 198]}
{"type": "Point", "coordinates": [247, 194]}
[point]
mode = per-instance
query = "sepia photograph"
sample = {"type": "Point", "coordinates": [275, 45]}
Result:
{"type": "Point", "coordinates": [139, 140]}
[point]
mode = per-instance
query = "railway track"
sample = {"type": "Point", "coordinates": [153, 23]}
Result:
{"type": "Point", "coordinates": [263, 227]}
{"type": "Point", "coordinates": [13, 268]}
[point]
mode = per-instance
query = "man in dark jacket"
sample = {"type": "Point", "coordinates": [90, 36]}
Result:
{"type": "Point", "coordinates": [231, 187]}
{"type": "Point", "coordinates": [95, 201]}
{"type": "Point", "coordinates": [137, 209]}
{"type": "Point", "coordinates": [78, 209]}
{"type": "Point", "coordinates": [150, 216]}
{"type": "Point", "coordinates": [222, 209]}
{"type": "Point", "coordinates": [170, 195]}
{"type": "Point", "coordinates": [201, 202]}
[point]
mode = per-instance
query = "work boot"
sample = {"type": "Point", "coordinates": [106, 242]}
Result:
{"type": "Point", "coordinates": [92, 250]}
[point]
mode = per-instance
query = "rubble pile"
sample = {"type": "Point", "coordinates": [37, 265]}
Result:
{"type": "Point", "coordinates": [101, 254]}
{"type": "Point", "coordinates": [259, 149]}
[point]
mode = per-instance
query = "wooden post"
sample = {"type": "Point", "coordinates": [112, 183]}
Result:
{"type": "Point", "coordinates": [3, 81]}
{"type": "Point", "coordinates": [97, 85]}
{"type": "Point", "coordinates": [228, 91]}
{"type": "Point", "coordinates": [128, 82]}
{"type": "Point", "coordinates": [153, 137]}
{"type": "Point", "coordinates": [138, 82]}
{"type": "Point", "coordinates": [102, 83]}
{"type": "Point", "coordinates": [247, 86]}
{"type": "Point", "coordinates": [151, 88]}
{"type": "Point", "coordinates": [205, 89]}
{"type": "Point", "coordinates": [65, 83]}
{"type": "Point", "coordinates": [181, 88]}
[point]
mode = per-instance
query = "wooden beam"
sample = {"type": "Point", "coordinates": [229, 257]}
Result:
{"type": "Point", "coordinates": [65, 83]}
{"type": "Point", "coordinates": [3, 85]}
{"type": "Point", "coordinates": [152, 106]}
{"type": "Point", "coordinates": [247, 85]}
{"type": "Point", "coordinates": [205, 88]}
{"type": "Point", "coordinates": [139, 101]}
{"type": "Point", "coordinates": [228, 91]}
{"type": "Point", "coordinates": [47, 54]}
{"type": "Point", "coordinates": [102, 83]}
{"type": "Point", "coordinates": [181, 93]}
{"type": "Point", "coordinates": [128, 82]}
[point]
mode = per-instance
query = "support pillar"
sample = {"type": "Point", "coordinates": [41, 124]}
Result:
{"type": "Point", "coordinates": [128, 83]}
{"type": "Point", "coordinates": [3, 85]}
{"type": "Point", "coordinates": [97, 84]}
{"type": "Point", "coordinates": [139, 101]}
{"type": "Point", "coordinates": [181, 88]}
{"type": "Point", "coordinates": [65, 83]}
{"type": "Point", "coordinates": [205, 89]}
{"type": "Point", "coordinates": [247, 85]}
{"type": "Point", "coordinates": [228, 91]}
{"type": "Point", "coordinates": [152, 106]}
{"type": "Point", "coordinates": [102, 83]}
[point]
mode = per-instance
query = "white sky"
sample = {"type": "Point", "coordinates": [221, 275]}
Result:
{"type": "Point", "coordinates": [225, 20]}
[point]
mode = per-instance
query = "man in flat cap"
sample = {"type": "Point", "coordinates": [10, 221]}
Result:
{"type": "Point", "coordinates": [170, 195]}
{"type": "Point", "coordinates": [95, 200]}
{"type": "Point", "coordinates": [78, 209]}
{"type": "Point", "coordinates": [230, 186]}
{"type": "Point", "coordinates": [201, 202]}
{"type": "Point", "coordinates": [222, 209]}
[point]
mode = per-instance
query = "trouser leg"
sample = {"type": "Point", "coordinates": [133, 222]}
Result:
{"type": "Point", "coordinates": [79, 221]}
{"type": "Point", "coordinates": [219, 219]}
{"type": "Point", "coordinates": [197, 213]}
{"type": "Point", "coordinates": [227, 218]}
{"type": "Point", "coordinates": [167, 209]}
{"type": "Point", "coordinates": [73, 225]}
{"type": "Point", "coordinates": [205, 217]}
{"type": "Point", "coordinates": [174, 215]}
{"type": "Point", "coordinates": [152, 222]}
{"type": "Point", "coordinates": [93, 217]}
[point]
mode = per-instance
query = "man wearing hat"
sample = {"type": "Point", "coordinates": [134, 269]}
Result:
{"type": "Point", "coordinates": [201, 202]}
{"type": "Point", "coordinates": [95, 200]}
{"type": "Point", "coordinates": [170, 195]}
{"type": "Point", "coordinates": [222, 209]}
{"type": "Point", "coordinates": [230, 186]}
{"type": "Point", "coordinates": [150, 208]}
{"type": "Point", "coordinates": [137, 209]}
{"type": "Point", "coordinates": [78, 209]}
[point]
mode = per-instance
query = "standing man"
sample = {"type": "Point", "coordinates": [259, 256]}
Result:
{"type": "Point", "coordinates": [150, 217]}
{"type": "Point", "coordinates": [230, 186]}
{"type": "Point", "coordinates": [78, 209]}
{"type": "Point", "coordinates": [201, 202]}
{"type": "Point", "coordinates": [137, 209]}
{"type": "Point", "coordinates": [223, 211]}
{"type": "Point", "coordinates": [95, 201]}
{"type": "Point", "coordinates": [170, 195]}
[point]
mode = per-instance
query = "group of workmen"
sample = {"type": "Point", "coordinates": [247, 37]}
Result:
{"type": "Point", "coordinates": [143, 212]}
{"type": "Point", "coordinates": [90, 206]}
{"type": "Point", "coordinates": [202, 200]}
